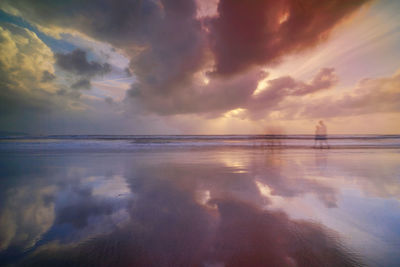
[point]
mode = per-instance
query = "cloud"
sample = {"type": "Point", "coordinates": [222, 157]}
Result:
{"type": "Point", "coordinates": [47, 76]}
{"type": "Point", "coordinates": [109, 100]}
{"type": "Point", "coordinates": [25, 61]}
{"type": "Point", "coordinates": [213, 98]}
{"type": "Point", "coordinates": [171, 48]}
{"type": "Point", "coordinates": [220, 95]}
{"type": "Point", "coordinates": [128, 72]}
{"type": "Point", "coordinates": [29, 89]}
{"type": "Point", "coordinates": [372, 95]}
{"type": "Point", "coordinates": [277, 90]}
{"type": "Point", "coordinates": [82, 84]}
{"type": "Point", "coordinates": [25, 69]}
{"type": "Point", "coordinates": [77, 63]}
{"type": "Point", "coordinates": [251, 33]}
{"type": "Point", "coordinates": [30, 95]}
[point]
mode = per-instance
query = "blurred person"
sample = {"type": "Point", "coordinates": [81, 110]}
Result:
{"type": "Point", "coordinates": [321, 133]}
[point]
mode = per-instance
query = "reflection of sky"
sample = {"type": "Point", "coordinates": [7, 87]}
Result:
{"type": "Point", "coordinates": [58, 203]}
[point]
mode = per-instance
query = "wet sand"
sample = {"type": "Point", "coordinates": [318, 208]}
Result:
{"type": "Point", "coordinates": [201, 207]}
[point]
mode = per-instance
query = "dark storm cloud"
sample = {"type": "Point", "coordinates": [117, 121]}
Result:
{"type": "Point", "coordinates": [169, 46]}
{"type": "Point", "coordinates": [76, 62]}
{"type": "Point", "coordinates": [12, 102]}
{"type": "Point", "coordinates": [219, 95]}
{"type": "Point", "coordinates": [82, 84]}
{"type": "Point", "coordinates": [47, 76]}
{"type": "Point", "coordinates": [104, 20]}
{"type": "Point", "coordinates": [249, 33]}
{"type": "Point", "coordinates": [175, 50]}
{"type": "Point", "coordinates": [68, 93]}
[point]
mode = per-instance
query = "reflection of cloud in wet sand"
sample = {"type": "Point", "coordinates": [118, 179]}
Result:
{"type": "Point", "coordinates": [27, 214]}
{"type": "Point", "coordinates": [168, 227]}
{"type": "Point", "coordinates": [198, 209]}
{"type": "Point", "coordinates": [282, 177]}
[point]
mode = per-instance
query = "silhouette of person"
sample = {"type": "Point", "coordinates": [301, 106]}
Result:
{"type": "Point", "coordinates": [321, 133]}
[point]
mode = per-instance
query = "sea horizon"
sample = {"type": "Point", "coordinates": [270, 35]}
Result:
{"type": "Point", "coordinates": [122, 143]}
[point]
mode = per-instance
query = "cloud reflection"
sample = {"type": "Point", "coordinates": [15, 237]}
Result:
{"type": "Point", "coordinates": [181, 208]}
{"type": "Point", "coordinates": [27, 214]}
{"type": "Point", "coordinates": [168, 228]}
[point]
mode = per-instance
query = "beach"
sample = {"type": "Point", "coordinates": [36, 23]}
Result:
{"type": "Point", "coordinates": [199, 201]}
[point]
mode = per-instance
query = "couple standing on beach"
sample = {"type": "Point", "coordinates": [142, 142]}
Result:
{"type": "Point", "coordinates": [321, 133]}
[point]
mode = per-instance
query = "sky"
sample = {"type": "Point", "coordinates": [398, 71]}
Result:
{"type": "Point", "coordinates": [199, 66]}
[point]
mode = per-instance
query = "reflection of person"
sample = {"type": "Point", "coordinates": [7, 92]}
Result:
{"type": "Point", "coordinates": [273, 134]}
{"type": "Point", "coordinates": [321, 133]}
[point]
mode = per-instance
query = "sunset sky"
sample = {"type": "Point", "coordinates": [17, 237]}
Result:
{"type": "Point", "coordinates": [199, 67]}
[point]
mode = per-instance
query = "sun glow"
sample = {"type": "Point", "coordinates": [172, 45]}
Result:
{"type": "Point", "coordinates": [284, 17]}
{"type": "Point", "coordinates": [238, 112]}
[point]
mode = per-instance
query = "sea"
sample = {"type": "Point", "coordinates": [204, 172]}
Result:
{"type": "Point", "coordinates": [199, 200]}
{"type": "Point", "coordinates": [137, 142]}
